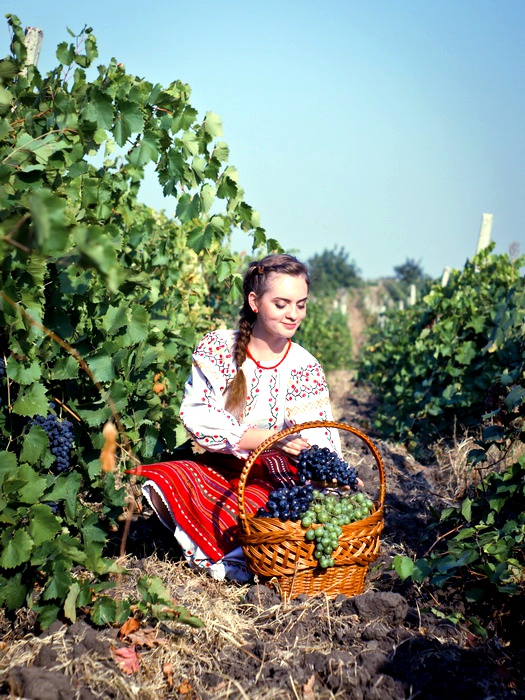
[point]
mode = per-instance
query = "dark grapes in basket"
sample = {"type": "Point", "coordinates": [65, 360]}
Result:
{"type": "Point", "coordinates": [287, 503]}
{"type": "Point", "coordinates": [320, 464]}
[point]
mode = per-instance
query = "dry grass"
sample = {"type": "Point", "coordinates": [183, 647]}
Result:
{"type": "Point", "coordinates": [176, 657]}
{"type": "Point", "coordinates": [457, 474]}
{"type": "Point", "coordinates": [214, 661]}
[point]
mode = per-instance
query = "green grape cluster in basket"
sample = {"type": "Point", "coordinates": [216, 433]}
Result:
{"type": "Point", "coordinates": [326, 515]}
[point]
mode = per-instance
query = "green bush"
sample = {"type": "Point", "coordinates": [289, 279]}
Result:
{"type": "Point", "coordinates": [325, 333]}
{"type": "Point", "coordinates": [447, 359]}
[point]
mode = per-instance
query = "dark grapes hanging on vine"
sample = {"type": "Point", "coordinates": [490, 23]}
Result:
{"type": "Point", "coordinates": [61, 438]}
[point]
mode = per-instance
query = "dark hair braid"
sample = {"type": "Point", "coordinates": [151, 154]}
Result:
{"type": "Point", "coordinates": [255, 280]}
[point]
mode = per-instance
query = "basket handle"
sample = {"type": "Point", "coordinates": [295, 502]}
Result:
{"type": "Point", "coordinates": [266, 444]}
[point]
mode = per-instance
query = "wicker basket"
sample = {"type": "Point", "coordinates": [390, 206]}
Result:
{"type": "Point", "coordinates": [278, 553]}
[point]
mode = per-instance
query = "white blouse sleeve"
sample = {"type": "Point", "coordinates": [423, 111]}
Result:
{"type": "Point", "coordinates": [308, 400]}
{"type": "Point", "coordinates": [202, 409]}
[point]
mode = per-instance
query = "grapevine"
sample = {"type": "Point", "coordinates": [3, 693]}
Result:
{"type": "Point", "coordinates": [447, 360]}
{"type": "Point", "coordinates": [125, 288]}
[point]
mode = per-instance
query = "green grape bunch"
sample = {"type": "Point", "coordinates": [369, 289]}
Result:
{"type": "Point", "coordinates": [325, 517]}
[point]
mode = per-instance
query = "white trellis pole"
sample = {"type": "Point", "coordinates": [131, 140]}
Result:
{"type": "Point", "coordinates": [446, 277]}
{"type": "Point", "coordinates": [33, 41]}
{"type": "Point", "coordinates": [485, 231]}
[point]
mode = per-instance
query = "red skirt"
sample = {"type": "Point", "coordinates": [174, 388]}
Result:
{"type": "Point", "coordinates": [202, 494]}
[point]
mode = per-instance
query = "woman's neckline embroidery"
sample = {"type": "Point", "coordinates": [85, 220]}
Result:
{"type": "Point", "coordinates": [260, 366]}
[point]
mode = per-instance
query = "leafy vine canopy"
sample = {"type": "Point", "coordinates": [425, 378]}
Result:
{"type": "Point", "coordinates": [102, 299]}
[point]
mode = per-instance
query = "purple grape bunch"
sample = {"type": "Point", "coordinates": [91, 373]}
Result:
{"type": "Point", "coordinates": [320, 464]}
{"type": "Point", "coordinates": [61, 438]}
{"type": "Point", "coordinates": [287, 503]}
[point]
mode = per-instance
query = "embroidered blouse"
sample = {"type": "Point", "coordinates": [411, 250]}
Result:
{"type": "Point", "coordinates": [279, 396]}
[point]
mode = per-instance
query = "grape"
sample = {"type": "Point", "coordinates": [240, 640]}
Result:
{"type": "Point", "coordinates": [321, 464]}
{"type": "Point", "coordinates": [329, 511]}
{"type": "Point", "coordinates": [55, 507]}
{"type": "Point", "coordinates": [287, 503]}
{"type": "Point", "coordinates": [61, 438]}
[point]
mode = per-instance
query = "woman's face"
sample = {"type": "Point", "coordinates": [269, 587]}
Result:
{"type": "Point", "coordinates": [282, 307]}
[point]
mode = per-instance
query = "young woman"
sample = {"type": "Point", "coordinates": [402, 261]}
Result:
{"type": "Point", "coordinates": [244, 386]}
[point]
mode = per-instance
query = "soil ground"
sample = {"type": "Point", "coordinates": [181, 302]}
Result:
{"type": "Point", "coordinates": [393, 641]}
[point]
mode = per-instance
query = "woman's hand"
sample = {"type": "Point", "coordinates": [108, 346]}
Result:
{"type": "Point", "coordinates": [293, 445]}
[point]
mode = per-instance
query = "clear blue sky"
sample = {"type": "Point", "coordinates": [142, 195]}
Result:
{"type": "Point", "coordinates": [387, 127]}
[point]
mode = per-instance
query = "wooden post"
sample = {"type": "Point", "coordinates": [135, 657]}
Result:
{"type": "Point", "coordinates": [485, 231]}
{"type": "Point", "coordinates": [33, 42]}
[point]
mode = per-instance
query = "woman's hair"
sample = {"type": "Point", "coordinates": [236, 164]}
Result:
{"type": "Point", "coordinates": [256, 280]}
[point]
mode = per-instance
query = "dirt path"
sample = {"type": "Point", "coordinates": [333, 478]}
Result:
{"type": "Point", "coordinates": [356, 323]}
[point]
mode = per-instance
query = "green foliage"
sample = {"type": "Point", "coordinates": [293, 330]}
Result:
{"type": "Point", "coordinates": [486, 549]}
{"type": "Point", "coordinates": [407, 274]}
{"type": "Point", "coordinates": [331, 270]}
{"type": "Point", "coordinates": [101, 301]}
{"type": "Point", "coordinates": [325, 333]}
{"type": "Point", "coordinates": [156, 603]}
{"type": "Point", "coordinates": [449, 357]}
{"type": "Point", "coordinates": [410, 272]}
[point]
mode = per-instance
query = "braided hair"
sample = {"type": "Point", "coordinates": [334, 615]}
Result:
{"type": "Point", "coordinates": [256, 280]}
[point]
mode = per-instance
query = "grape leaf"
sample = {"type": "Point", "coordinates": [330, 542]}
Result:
{"type": "Point", "coordinates": [36, 442]}
{"type": "Point", "coordinates": [43, 525]}
{"type": "Point", "coordinates": [129, 121]}
{"type": "Point", "coordinates": [23, 374]}
{"type": "Point", "coordinates": [70, 603]}
{"type": "Point", "coordinates": [59, 582]}
{"type": "Point", "coordinates": [12, 591]}
{"type": "Point", "coordinates": [34, 487]}
{"type": "Point", "coordinates": [404, 566]}
{"type": "Point", "coordinates": [17, 548]}
{"type": "Point", "coordinates": [212, 124]}
{"type": "Point", "coordinates": [145, 151]}
{"type": "Point", "coordinates": [31, 401]}
{"type": "Point", "coordinates": [104, 611]}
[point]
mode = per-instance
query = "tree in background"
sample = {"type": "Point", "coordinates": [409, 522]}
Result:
{"type": "Point", "coordinates": [410, 272]}
{"type": "Point", "coordinates": [331, 270]}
